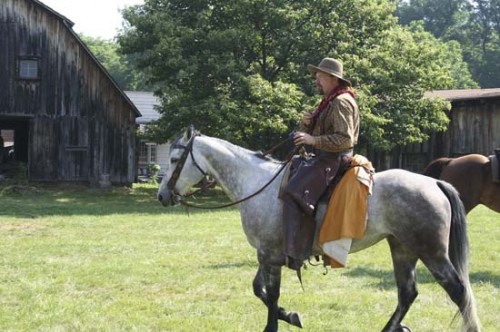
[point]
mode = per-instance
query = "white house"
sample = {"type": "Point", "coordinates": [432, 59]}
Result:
{"type": "Point", "coordinates": [148, 152]}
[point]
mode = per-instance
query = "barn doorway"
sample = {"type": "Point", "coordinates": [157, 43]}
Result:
{"type": "Point", "coordinates": [15, 136]}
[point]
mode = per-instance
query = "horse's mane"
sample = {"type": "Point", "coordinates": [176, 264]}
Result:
{"type": "Point", "coordinates": [261, 155]}
{"type": "Point", "coordinates": [241, 150]}
{"type": "Point", "coordinates": [435, 168]}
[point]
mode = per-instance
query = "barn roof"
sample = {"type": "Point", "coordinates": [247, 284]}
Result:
{"type": "Point", "coordinates": [67, 21]}
{"type": "Point", "coordinates": [464, 94]}
{"type": "Point", "coordinates": [146, 102]}
{"type": "Point", "coordinates": [69, 24]}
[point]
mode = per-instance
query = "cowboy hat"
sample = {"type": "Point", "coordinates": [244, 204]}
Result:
{"type": "Point", "coordinates": [329, 66]}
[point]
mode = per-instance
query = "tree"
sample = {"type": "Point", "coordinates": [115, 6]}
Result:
{"type": "Point", "coordinates": [439, 17]}
{"type": "Point", "coordinates": [120, 67]}
{"type": "Point", "coordinates": [483, 42]}
{"type": "Point", "coordinates": [474, 24]}
{"type": "Point", "coordinates": [399, 70]}
{"type": "Point", "coordinates": [236, 69]}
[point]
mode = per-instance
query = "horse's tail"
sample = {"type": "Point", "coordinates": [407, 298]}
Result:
{"type": "Point", "coordinates": [435, 167]}
{"type": "Point", "coordinates": [458, 251]}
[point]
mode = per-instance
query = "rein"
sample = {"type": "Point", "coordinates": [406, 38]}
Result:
{"type": "Point", "coordinates": [188, 151]}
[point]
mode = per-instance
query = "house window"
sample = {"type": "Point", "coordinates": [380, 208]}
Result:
{"type": "Point", "coordinates": [147, 156]}
{"type": "Point", "coordinates": [152, 153]}
{"type": "Point", "coordinates": [28, 69]}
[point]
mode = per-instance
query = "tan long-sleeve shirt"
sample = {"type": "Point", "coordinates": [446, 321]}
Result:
{"type": "Point", "coordinates": [337, 128]}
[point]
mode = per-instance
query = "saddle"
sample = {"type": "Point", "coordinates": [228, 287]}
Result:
{"type": "Point", "coordinates": [495, 165]}
{"type": "Point", "coordinates": [306, 182]}
{"type": "Point", "coordinates": [354, 215]}
{"type": "Point", "coordinates": [297, 161]}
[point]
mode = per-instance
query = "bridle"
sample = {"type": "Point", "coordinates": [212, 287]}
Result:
{"type": "Point", "coordinates": [188, 151]}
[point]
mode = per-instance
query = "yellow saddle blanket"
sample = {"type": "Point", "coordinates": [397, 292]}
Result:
{"type": "Point", "coordinates": [346, 214]}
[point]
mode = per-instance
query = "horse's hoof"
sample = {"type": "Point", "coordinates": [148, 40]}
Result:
{"type": "Point", "coordinates": [295, 319]}
{"type": "Point", "coordinates": [403, 328]}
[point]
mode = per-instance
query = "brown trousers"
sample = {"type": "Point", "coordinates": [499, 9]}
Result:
{"type": "Point", "coordinates": [305, 187]}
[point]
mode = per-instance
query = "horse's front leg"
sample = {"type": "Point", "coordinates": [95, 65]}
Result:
{"type": "Point", "coordinates": [266, 286]}
{"type": "Point", "coordinates": [272, 279]}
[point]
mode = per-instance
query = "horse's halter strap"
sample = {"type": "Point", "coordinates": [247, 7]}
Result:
{"type": "Point", "coordinates": [188, 150]}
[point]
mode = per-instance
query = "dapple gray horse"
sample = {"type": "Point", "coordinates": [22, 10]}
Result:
{"type": "Point", "coordinates": [421, 218]}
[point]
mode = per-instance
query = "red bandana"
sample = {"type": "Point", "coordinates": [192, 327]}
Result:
{"type": "Point", "coordinates": [331, 96]}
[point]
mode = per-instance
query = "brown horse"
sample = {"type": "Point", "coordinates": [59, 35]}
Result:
{"type": "Point", "coordinates": [471, 175]}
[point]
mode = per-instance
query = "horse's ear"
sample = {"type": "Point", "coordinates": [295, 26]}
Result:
{"type": "Point", "coordinates": [190, 131]}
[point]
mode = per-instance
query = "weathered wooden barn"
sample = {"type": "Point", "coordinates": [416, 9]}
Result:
{"type": "Point", "coordinates": [474, 128]}
{"type": "Point", "coordinates": [71, 121]}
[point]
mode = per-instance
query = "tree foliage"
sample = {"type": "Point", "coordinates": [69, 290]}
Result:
{"type": "Point", "coordinates": [120, 67]}
{"type": "Point", "coordinates": [237, 69]}
{"type": "Point", "coordinates": [474, 24]}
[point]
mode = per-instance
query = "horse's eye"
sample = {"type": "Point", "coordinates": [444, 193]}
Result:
{"type": "Point", "coordinates": [174, 160]}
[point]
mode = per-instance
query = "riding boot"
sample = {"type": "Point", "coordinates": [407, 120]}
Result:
{"type": "Point", "coordinates": [298, 230]}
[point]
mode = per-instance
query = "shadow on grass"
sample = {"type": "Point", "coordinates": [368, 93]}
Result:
{"type": "Point", "coordinates": [387, 280]}
{"type": "Point", "coordinates": [485, 277]}
{"type": "Point", "coordinates": [34, 201]}
{"type": "Point", "coordinates": [233, 265]}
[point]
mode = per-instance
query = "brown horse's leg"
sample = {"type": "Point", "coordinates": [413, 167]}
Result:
{"type": "Point", "coordinates": [266, 286]}
{"type": "Point", "coordinates": [404, 270]}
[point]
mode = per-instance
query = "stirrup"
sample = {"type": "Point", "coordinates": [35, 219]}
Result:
{"type": "Point", "coordinates": [318, 263]}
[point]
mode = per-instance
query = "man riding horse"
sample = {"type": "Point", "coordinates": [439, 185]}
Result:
{"type": "Point", "coordinates": [331, 131]}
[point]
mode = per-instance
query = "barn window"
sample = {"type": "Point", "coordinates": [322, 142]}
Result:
{"type": "Point", "coordinates": [28, 69]}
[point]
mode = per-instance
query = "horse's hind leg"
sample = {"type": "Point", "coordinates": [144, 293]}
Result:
{"type": "Point", "coordinates": [266, 286]}
{"type": "Point", "coordinates": [404, 270]}
{"type": "Point", "coordinates": [458, 290]}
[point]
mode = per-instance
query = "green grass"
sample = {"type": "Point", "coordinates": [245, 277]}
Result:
{"type": "Point", "coordinates": [79, 259]}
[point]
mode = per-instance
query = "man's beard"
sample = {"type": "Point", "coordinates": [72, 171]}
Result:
{"type": "Point", "coordinates": [319, 89]}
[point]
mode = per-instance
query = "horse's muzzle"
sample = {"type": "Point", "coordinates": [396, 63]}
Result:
{"type": "Point", "coordinates": [169, 199]}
